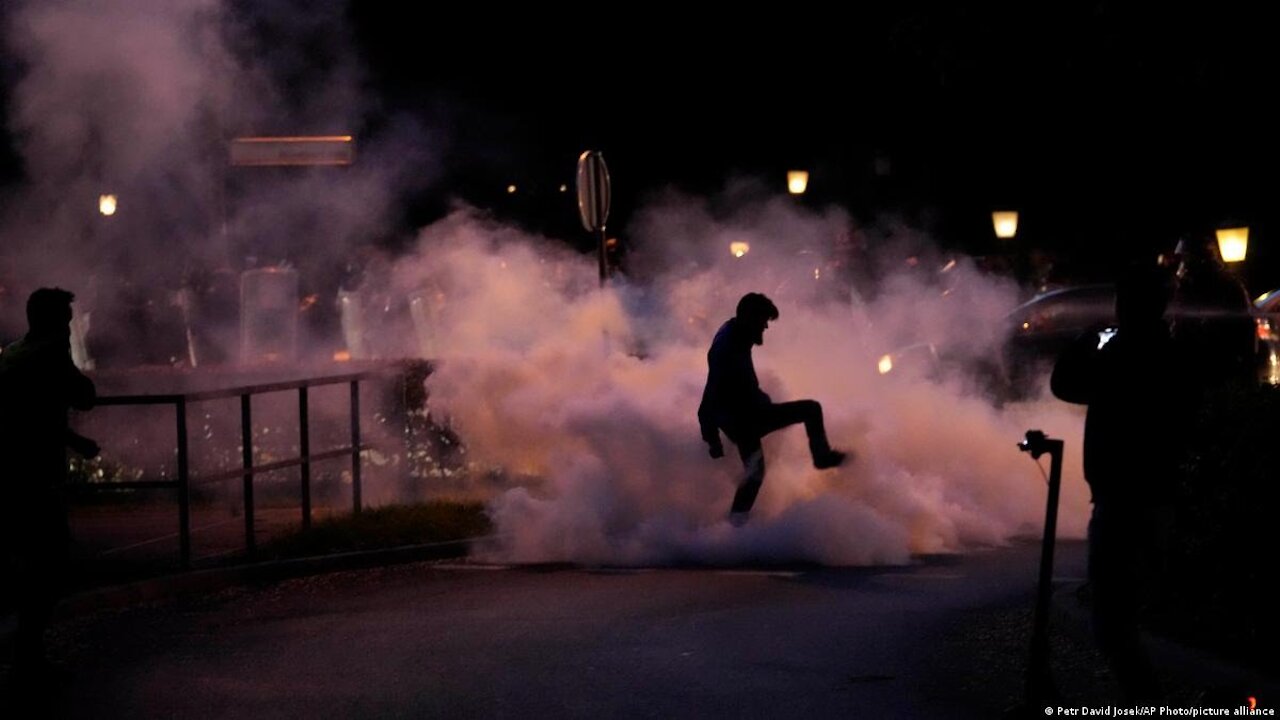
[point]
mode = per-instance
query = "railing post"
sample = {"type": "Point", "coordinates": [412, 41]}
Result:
{"type": "Point", "coordinates": [184, 487]}
{"type": "Point", "coordinates": [355, 446]}
{"type": "Point", "coordinates": [246, 434]}
{"type": "Point", "coordinates": [304, 449]}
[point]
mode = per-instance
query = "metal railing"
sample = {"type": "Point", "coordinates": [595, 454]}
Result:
{"type": "Point", "coordinates": [248, 470]}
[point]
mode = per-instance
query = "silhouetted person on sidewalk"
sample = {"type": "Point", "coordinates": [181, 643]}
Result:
{"type": "Point", "coordinates": [38, 384]}
{"type": "Point", "coordinates": [733, 402]}
{"type": "Point", "coordinates": [1213, 320]}
{"type": "Point", "coordinates": [1132, 434]}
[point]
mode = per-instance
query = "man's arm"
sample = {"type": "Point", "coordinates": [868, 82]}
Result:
{"type": "Point", "coordinates": [81, 394]}
{"type": "Point", "coordinates": [710, 431]}
{"type": "Point", "coordinates": [1074, 376]}
{"type": "Point", "coordinates": [83, 446]}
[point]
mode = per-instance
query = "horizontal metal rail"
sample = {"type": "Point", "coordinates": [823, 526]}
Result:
{"type": "Point", "coordinates": [184, 481]}
{"type": "Point", "coordinates": [271, 466]}
{"type": "Point", "coordinates": [201, 395]}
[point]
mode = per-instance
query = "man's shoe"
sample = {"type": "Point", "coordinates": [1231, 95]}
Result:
{"type": "Point", "coordinates": [829, 459]}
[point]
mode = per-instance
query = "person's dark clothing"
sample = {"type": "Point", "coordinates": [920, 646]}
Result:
{"type": "Point", "coordinates": [732, 397]}
{"type": "Point", "coordinates": [748, 435]}
{"type": "Point", "coordinates": [38, 384]}
{"type": "Point", "coordinates": [1132, 430]}
{"type": "Point", "coordinates": [732, 401]}
{"type": "Point", "coordinates": [1132, 387]}
{"type": "Point", "coordinates": [1125, 547]}
{"type": "Point", "coordinates": [1214, 323]}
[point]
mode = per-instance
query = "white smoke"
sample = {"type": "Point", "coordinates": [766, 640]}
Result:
{"type": "Point", "coordinates": [586, 399]}
{"type": "Point", "coordinates": [140, 99]}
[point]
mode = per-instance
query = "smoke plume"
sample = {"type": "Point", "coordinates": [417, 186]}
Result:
{"type": "Point", "coordinates": [582, 400]}
{"type": "Point", "coordinates": [585, 399]}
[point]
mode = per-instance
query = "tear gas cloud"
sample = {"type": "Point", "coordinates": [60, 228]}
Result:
{"type": "Point", "coordinates": [586, 399]}
{"type": "Point", "coordinates": [583, 399]}
{"type": "Point", "coordinates": [140, 98]}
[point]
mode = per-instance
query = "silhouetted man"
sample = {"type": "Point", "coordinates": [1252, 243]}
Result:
{"type": "Point", "coordinates": [38, 384]}
{"type": "Point", "coordinates": [1213, 320]}
{"type": "Point", "coordinates": [1136, 414]}
{"type": "Point", "coordinates": [733, 402]}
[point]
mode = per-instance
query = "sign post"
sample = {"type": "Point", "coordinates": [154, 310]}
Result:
{"type": "Point", "coordinates": [593, 201]}
{"type": "Point", "coordinates": [1040, 690]}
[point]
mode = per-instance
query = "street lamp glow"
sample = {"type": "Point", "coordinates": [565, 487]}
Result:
{"type": "Point", "coordinates": [107, 205]}
{"type": "Point", "coordinates": [885, 366]}
{"type": "Point", "coordinates": [739, 248]}
{"type": "Point", "coordinates": [1005, 222]}
{"type": "Point", "coordinates": [797, 181]}
{"type": "Point", "coordinates": [1233, 243]}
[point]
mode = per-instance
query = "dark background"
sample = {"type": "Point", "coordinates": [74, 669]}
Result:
{"type": "Point", "coordinates": [1113, 128]}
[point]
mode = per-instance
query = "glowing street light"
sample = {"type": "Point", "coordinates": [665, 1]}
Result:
{"type": "Point", "coordinates": [739, 248]}
{"type": "Point", "coordinates": [797, 181]}
{"type": "Point", "coordinates": [885, 366]}
{"type": "Point", "coordinates": [1233, 243]}
{"type": "Point", "coordinates": [107, 205]}
{"type": "Point", "coordinates": [1006, 223]}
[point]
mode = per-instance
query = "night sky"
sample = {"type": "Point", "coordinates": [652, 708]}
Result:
{"type": "Point", "coordinates": [1106, 125]}
{"type": "Point", "coordinates": [1102, 122]}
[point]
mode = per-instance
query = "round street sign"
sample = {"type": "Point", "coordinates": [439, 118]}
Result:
{"type": "Point", "coordinates": [593, 190]}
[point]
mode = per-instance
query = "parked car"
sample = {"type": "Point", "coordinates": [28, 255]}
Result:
{"type": "Point", "coordinates": [1040, 329]}
{"type": "Point", "coordinates": [1268, 318]}
{"type": "Point", "coordinates": [1037, 331]}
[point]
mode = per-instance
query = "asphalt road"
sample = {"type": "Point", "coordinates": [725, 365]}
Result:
{"type": "Point", "coordinates": [460, 640]}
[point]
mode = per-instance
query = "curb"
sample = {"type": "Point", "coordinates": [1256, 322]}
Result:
{"type": "Point", "coordinates": [198, 582]}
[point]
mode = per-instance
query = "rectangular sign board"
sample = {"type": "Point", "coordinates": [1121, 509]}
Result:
{"type": "Point", "coordinates": [300, 150]}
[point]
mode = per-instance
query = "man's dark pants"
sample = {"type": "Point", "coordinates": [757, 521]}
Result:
{"type": "Point", "coordinates": [39, 542]}
{"type": "Point", "coordinates": [747, 437]}
{"type": "Point", "coordinates": [1121, 541]}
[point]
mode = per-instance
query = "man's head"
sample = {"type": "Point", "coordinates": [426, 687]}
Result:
{"type": "Point", "coordinates": [49, 312]}
{"type": "Point", "coordinates": [754, 313]}
{"type": "Point", "coordinates": [1197, 255]}
{"type": "Point", "coordinates": [1142, 294]}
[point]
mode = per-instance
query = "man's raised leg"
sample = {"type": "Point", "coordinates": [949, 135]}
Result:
{"type": "Point", "coordinates": [809, 412]}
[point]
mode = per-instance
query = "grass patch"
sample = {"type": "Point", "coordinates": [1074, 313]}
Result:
{"type": "Point", "coordinates": [385, 527]}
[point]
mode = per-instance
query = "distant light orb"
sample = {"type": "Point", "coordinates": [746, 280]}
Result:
{"type": "Point", "coordinates": [739, 249]}
{"type": "Point", "coordinates": [564, 188]}
{"type": "Point", "coordinates": [797, 181]}
{"type": "Point", "coordinates": [1006, 223]}
{"type": "Point", "coordinates": [511, 189]}
{"type": "Point", "coordinates": [885, 366]}
{"type": "Point", "coordinates": [107, 205]}
{"type": "Point", "coordinates": [1233, 243]}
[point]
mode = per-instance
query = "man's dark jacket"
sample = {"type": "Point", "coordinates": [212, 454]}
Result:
{"type": "Point", "coordinates": [732, 397]}
{"type": "Point", "coordinates": [38, 385]}
{"type": "Point", "coordinates": [1135, 387]}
